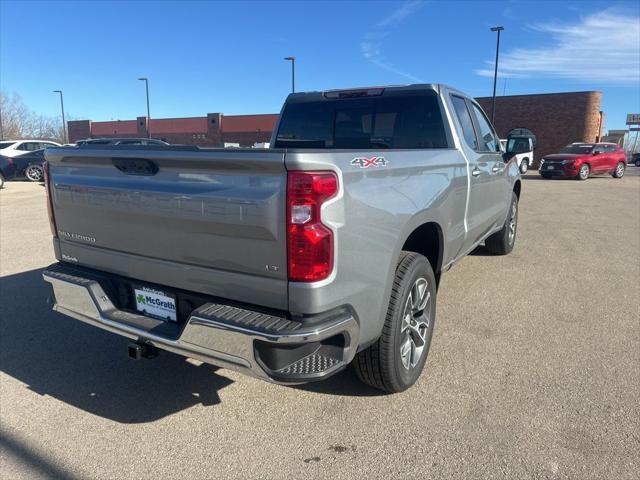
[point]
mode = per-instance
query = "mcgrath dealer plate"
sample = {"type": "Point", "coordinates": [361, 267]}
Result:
{"type": "Point", "coordinates": [155, 303]}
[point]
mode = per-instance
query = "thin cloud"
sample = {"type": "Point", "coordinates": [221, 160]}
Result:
{"type": "Point", "coordinates": [486, 72]}
{"type": "Point", "coordinates": [400, 14]}
{"type": "Point", "coordinates": [371, 46]}
{"type": "Point", "coordinates": [372, 52]}
{"type": "Point", "coordinates": [602, 48]}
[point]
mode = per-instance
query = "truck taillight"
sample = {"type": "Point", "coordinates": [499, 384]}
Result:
{"type": "Point", "coordinates": [47, 185]}
{"type": "Point", "coordinates": [309, 241]}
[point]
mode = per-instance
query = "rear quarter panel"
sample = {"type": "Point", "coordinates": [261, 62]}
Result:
{"type": "Point", "coordinates": [372, 216]}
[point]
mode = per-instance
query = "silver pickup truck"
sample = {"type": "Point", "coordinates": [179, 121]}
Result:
{"type": "Point", "coordinates": [293, 262]}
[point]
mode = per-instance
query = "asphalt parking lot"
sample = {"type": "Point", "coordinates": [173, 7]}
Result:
{"type": "Point", "coordinates": [534, 370]}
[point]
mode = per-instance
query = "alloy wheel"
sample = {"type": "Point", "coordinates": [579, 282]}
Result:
{"type": "Point", "coordinates": [416, 319]}
{"type": "Point", "coordinates": [34, 173]}
{"type": "Point", "coordinates": [584, 172]}
{"type": "Point", "coordinates": [513, 222]}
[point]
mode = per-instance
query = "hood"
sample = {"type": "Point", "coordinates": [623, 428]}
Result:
{"type": "Point", "coordinates": [563, 156]}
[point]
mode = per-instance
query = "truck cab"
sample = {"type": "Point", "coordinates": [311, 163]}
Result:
{"type": "Point", "coordinates": [522, 150]}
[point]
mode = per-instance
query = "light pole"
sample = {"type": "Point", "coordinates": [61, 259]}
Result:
{"type": "Point", "coordinates": [64, 124]}
{"type": "Point", "coordinates": [146, 85]}
{"type": "Point", "coordinates": [495, 73]}
{"type": "Point", "coordinates": [293, 72]}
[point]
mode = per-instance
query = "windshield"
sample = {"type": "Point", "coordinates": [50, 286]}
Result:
{"type": "Point", "coordinates": [6, 144]}
{"type": "Point", "coordinates": [578, 149]}
{"type": "Point", "coordinates": [395, 121]}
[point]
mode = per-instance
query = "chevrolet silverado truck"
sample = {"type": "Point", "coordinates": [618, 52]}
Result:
{"type": "Point", "coordinates": [292, 262]}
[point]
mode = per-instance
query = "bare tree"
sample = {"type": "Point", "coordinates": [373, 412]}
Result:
{"type": "Point", "coordinates": [18, 121]}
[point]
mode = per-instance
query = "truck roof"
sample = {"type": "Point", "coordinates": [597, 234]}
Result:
{"type": "Point", "coordinates": [353, 92]}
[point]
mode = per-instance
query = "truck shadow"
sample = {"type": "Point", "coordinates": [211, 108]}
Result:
{"type": "Point", "coordinates": [88, 368]}
{"type": "Point", "coordinates": [344, 383]}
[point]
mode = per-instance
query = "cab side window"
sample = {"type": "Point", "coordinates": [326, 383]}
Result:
{"type": "Point", "coordinates": [488, 141]}
{"type": "Point", "coordinates": [464, 117]}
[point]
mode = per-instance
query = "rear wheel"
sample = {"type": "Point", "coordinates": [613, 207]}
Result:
{"type": "Point", "coordinates": [34, 173]}
{"type": "Point", "coordinates": [524, 166]}
{"type": "Point", "coordinates": [584, 172]}
{"type": "Point", "coordinates": [502, 242]}
{"type": "Point", "coordinates": [619, 171]}
{"type": "Point", "coordinates": [396, 360]}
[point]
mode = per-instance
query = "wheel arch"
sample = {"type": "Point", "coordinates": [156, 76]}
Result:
{"type": "Point", "coordinates": [427, 240]}
{"type": "Point", "coordinates": [517, 187]}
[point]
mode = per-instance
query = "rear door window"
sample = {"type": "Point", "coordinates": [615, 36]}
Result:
{"type": "Point", "coordinates": [464, 117]}
{"type": "Point", "coordinates": [396, 121]}
{"type": "Point", "coordinates": [487, 138]}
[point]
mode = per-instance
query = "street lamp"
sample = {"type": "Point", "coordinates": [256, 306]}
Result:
{"type": "Point", "coordinates": [293, 72]}
{"type": "Point", "coordinates": [495, 73]}
{"type": "Point", "coordinates": [146, 85]}
{"type": "Point", "coordinates": [64, 124]}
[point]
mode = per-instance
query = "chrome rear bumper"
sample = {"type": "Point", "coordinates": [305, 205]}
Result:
{"type": "Point", "coordinates": [262, 345]}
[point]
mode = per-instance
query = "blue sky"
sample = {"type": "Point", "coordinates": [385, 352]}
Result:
{"type": "Point", "coordinates": [227, 56]}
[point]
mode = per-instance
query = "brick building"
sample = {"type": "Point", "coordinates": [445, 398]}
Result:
{"type": "Point", "coordinates": [214, 130]}
{"type": "Point", "coordinates": [556, 119]}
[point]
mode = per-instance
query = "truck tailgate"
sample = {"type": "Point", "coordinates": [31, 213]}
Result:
{"type": "Point", "coordinates": [210, 221]}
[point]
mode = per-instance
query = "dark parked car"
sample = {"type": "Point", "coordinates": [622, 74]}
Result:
{"type": "Point", "coordinates": [121, 141]}
{"type": "Point", "coordinates": [635, 159]}
{"type": "Point", "coordinates": [28, 165]}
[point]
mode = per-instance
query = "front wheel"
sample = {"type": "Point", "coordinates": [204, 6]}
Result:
{"type": "Point", "coordinates": [619, 171]}
{"type": "Point", "coordinates": [524, 166]}
{"type": "Point", "coordinates": [34, 173]}
{"type": "Point", "coordinates": [584, 172]}
{"type": "Point", "coordinates": [637, 163]}
{"type": "Point", "coordinates": [1, 180]}
{"type": "Point", "coordinates": [502, 242]}
{"type": "Point", "coordinates": [396, 360]}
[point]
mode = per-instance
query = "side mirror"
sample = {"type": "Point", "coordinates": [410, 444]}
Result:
{"type": "Point", "coordinates": [506, 156]}
{"type": "Point", "coordinates": [597, 152]}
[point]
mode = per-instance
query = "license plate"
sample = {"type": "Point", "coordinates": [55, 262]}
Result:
{"type": "Point", "coordinates": [550, 167]}
{"type": "Point", "coordinates": [155, 303]}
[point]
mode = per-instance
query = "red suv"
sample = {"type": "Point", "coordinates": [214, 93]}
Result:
{"type": "Point", "coordinates": [579, 160]}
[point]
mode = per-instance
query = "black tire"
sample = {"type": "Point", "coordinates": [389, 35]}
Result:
{"type": "Point", "coordinates": [502, 242]}
{"type": "Point", "coordinates": [637, 163]}
{"type": "Point", "coordinates": [524, 166]}
{"type": "Point", "coordinates": [584, 172]}
{"type": "Point", "coordinates": [619, 171]}
{"type": "Point", "coordinates": [382, 365]}
{"type": "Point", "coordinates": [545, 176]}
{"type": "Point", "coordinates": [1, 180]}
{"type": "Point", "coordinates": [34, 173]}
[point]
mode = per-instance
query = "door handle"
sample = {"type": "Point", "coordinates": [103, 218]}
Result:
{"type": "Point", "coordinates": [475, 172]}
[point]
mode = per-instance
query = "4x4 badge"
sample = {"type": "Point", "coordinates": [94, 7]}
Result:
{"type": "Point", "coordinates": [364, 162]}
